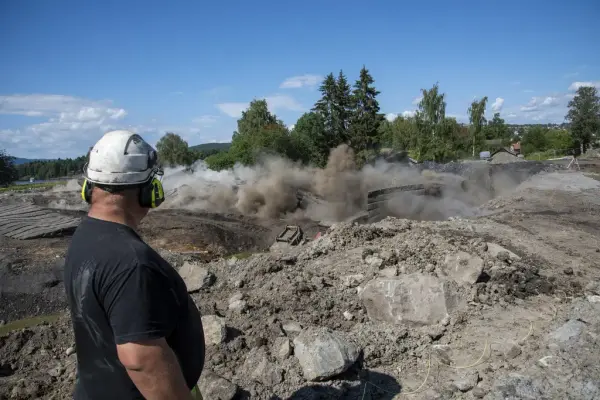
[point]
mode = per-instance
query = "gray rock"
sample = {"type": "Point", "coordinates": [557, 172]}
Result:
{"type": "Point", "coordinates": [70, 350]}
{"type": "Point", "coordinates": [414, 298]}
{"type": "Point", "coordinates": [389, 272]}
{"type": "Point", "coordinates": [495, 250]}
{"type": "Point", "coordinates": [196, 277]}
{"type": "Point", "coordinates": [238, 306]}
{"type": "Point", "coordinates": [479, 392]}
{"type": "Point", "coordinates": [592, 288]}
{"type": "Point", "coordinates": [348, 315]}
{"type": "Point", "coordinates": [463, 267]}
{"type": "Point", "coordinates": [213, 386]}
{"type": "Point", "coordinates": [466, 381]}
{"type": "Point", "coordinates": [442, 353]}
{"type": "Point", "coordinates": [282, 348]}
{"type": "Point", "coordinates": [352, 281]}
{"type": "Point", "coordinates": [260, 369]}
{"type": "Point", "coordinates": [515, 387]}
{"type": "Point", "coordinates": [568, 331]}
{"type": "Point", "coordinates": [291, 328]}
{"type": "Point", "coordinates": [512, 351]}
{"type": "Point", "coordinates": [323, 353]}
{"type": "Point", "coordinates": [374, 261]}
{"type": "Point", "coordinates": [215, 330]}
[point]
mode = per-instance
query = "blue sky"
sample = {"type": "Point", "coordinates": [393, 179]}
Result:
{"type": "Point", "coordinates": [72, 70]}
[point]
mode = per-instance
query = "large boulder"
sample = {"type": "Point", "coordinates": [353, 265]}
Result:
{"type": "Point", "coordinates": [213, 386]}
{"type": "Point", "coordinates": [463, 267]}
{"type": "Point", "coordinates": [196, 277]}
{"type": "Point", "coordinates": [416, 299]}
{"type": "Point", "coordinates": [215, 330]}
{"type": "Point", "coordinates": [323, 353]}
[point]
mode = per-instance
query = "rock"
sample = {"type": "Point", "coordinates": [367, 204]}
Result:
{"type": "Point", "coordinates": [260, 369]}
{"type": "Point", "coordinates": [282, 348]}
{"type": "Point", "coordinates": [238, 306]}
{"type": "Point", "coordinates": [436, 332]}
{"type": "Point", "coordinates": [514, 386]}
{"type": "Point", "coordinates": [352, 281]}
{"type": "Point", "coordinates": [291, 328]}
{"type": "Point", "coordinates": [2, 322]}
{"type": "Point", "coordinates": [565, 333]}
{"type": "Point", "coordinates": [348, 316]}
{"type": "Point", "coordinates": [389, 272]}
{"type": "Point", "coordinates": [592, 288]}
{"type": "Point", "coordinates": [466, 381]}
{"type": "Point", "coordinates": [463, 267]}
{"type": "Point", "coordinates": [196, 277]}
{"type": "Point", "coordinates": [511, 351]}
{"type": "Point", "coordinates": [323, 353]}
{"type": "Point", "coordinates": [479, 392]}
{"type": "Point", "coordinates": [236, 297]}
{"type": "Point", "coordinates": [213, 386]}
{"type": "Point", "coordinates": [442, 353]}
{"type": "Point", "coordinates": [568, 271]}
{"type": "Point", "coordinates": [215, 331]}
{"type": "Point", "coordinates": [496, 251]}
{"type": "Point", "coordinates": [70, 350]}
{"type": "Point", "coordinates": [414, 298]}
{"type": "Point", "coordinates": [56, 371]}
{"type": "Point", "coordinates": [374, 261]}
{"type": "Point", "coordinates": [593, 299]}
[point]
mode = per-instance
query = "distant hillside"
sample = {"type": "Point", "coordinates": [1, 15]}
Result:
{"type": "Point", "coordinates": [19, 160]}
{"type": "Point", "coordinates": [211, 146]}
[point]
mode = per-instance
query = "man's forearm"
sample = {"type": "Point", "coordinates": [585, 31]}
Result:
{"type": "Point", "coordinates": [158, 376]}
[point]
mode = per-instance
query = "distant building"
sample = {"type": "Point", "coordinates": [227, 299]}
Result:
{"type": "Point", "coordinates": [516, 148]}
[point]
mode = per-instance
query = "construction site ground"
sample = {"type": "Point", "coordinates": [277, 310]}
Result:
{"type": "Point", "coordinates": [505, 305]}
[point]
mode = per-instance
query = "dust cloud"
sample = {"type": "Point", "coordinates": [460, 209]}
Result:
{"type": "Point", "coordinates": [269, 189]}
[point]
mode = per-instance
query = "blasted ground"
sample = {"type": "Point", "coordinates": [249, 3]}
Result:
{"type": "Point", "coordinates": [489, 288]}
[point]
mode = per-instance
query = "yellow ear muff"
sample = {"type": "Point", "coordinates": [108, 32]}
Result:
{"type": "Point", "coordinates": [152, 194]}
{"type": "Point", "coordinates": [86, 191]}
{"type": "Point", "coordinates": [158, 193]}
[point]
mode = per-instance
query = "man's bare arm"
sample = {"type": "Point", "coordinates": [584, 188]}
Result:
{"type": "Point", "coordinates": [154, 369]}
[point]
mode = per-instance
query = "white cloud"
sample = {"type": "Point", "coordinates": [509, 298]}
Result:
{"type": "Point", "coordinates": [291, 127]}
{"type": "Point", "coordinates": [391, 116]}
{"type": "Point", "coordinates": [234, 110]}
{"type": "Point", "coordinates": [275, 103]}
{"type": "Point", "coordinates": [70, 122]}
{"type": "Point", "coordinates": [576, 85]}
{"type": "Point", "coordinates": [497, 106]}
{"type": "Point", "coordinates": [538, 103]}
{"type": "Point", "coordinates": [550, 101]}
{"type": "Point", "coordinates": [296, 82]}
{"type": "Point", "coordinates": [417, 100]}
{"type": "Point", "coordinates": [511, 116]}
{"type": "Point", "coordinates": [408, 113]}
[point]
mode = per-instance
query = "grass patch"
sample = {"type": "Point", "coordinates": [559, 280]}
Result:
{"type": "Point", "coordinates": [242, 256]}
{"type": "Point", "coordinates": [27, 323]}
{"type": "Point", "coordinates": [28, 186]}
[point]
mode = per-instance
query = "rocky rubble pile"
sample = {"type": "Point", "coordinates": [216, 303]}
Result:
{"type": "Point", "coordinates": [357, 305]}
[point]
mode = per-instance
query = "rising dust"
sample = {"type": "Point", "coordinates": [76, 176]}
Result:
{"type": "Point", "coordinates": [268, 190]}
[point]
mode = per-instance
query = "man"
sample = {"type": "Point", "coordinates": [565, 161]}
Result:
{"type": "Point", "coordinates": [138, 333]}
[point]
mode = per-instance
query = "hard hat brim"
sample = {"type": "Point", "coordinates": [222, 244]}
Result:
{"type": "Point", "coordinates": [120, 178]}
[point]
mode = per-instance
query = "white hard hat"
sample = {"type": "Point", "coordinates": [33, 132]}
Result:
{"type": "Point", "coordinates": [121, 158]}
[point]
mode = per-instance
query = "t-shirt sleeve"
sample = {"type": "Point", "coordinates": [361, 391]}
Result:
{"type": "Point", "coordinates": [141, 305]}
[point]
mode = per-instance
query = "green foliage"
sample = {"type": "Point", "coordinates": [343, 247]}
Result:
{"type": "Point", "coordinates": [173, 151]}
{"type": "Point", "coordinates": [540, 139]}
{"type": "Point", "coordinates": [28, 186]}
{"type": "Point", "coordinates": [51, 169]}
{"type": "Point", "coordinates": [220, 160]}
{"type": "Point", "coordinates": [477, 118]}
{"type": "Point", "coordinates": [584, 116]}
{"type": "Point", "coordinates": [8, 172]}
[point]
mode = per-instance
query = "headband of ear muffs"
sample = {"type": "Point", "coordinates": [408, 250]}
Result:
{"type": "Point", "coordinates": [152, 193]}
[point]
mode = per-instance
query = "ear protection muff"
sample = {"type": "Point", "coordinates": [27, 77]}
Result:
{"type": "Point", "coordinates": [86, 191]}
{"type": "Point", "coordinates": [152, 194]}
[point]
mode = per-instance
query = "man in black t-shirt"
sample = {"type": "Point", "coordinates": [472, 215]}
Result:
{"type": "Point", "coordinates": [138, 333]}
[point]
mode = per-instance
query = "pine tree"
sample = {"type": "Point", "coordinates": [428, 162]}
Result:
{"type": "Point", "coordinates": [342, 109]}
{"type": "Point", "coordinates": [366, 119]}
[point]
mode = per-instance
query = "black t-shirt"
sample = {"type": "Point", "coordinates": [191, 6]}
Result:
{"type": "Point", "coordinates": [120, 290]}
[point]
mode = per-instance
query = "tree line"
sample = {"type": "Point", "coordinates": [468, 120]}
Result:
{"type": "Point", "coordinates": [351, 114]}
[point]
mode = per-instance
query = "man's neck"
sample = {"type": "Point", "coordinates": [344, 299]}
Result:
{"type": "Point", "coordinates": [113, 214]}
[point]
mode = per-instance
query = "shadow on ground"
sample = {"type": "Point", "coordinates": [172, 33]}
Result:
{"type": "Point", "coordinates": [372, 386]}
